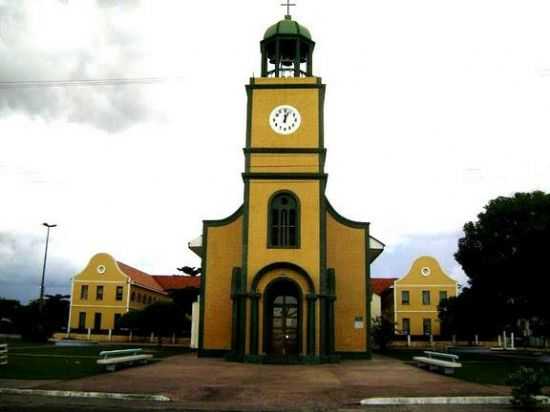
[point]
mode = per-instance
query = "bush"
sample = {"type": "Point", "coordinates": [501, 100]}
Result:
{"type": "Point", "coordinates": [527, 383]}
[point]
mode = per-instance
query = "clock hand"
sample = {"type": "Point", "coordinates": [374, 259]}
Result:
{"type": "Point", "coordinates": [286, 115]}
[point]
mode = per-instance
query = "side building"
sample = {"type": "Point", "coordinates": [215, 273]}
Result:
{"type": "Point", "coordinates": [107, 289]}
{"type": "Point", "coordinates": [417, 296]}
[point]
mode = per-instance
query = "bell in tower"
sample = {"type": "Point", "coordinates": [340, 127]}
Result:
{"type": "Point", "coordinates": [287, 50]}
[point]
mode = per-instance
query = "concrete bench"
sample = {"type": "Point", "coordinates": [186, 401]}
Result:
{"type": "Point", "coordinates": [439, 361]}
{"type": "Point", "coordinates": [111, 358]}
{"type": "Point", "coordinates": [4, 354]}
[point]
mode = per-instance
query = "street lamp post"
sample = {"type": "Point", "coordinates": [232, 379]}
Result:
{"type": "Point", "coordinates": [44, 267]}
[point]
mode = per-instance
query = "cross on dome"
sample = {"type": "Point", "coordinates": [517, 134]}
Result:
{"type": "Point", "coordinates": [288, 5]}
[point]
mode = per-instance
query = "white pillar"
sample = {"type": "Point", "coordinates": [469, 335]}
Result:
{"type": "Point", "coordinates": [89, 333]}
{"type": "Point", "coordinates": [454, 339]}
{"type": "Point", "coordinates": [173, 338]}
{"type": "Point", "coordinates": [504, 339]}
{"type": "Point", "coordinates": [68, 335]}
{"type": "Point", "coordinates": [195, 324]}
{"type": "Point", "coordinates": [110, 335]}
{"type": "Point", "coordinates": [431, 339]}
{"type": "Point", "coordinates": [130, 336]}
{"type": "Point", "coordinates": [512, 340]}
{"type": "Point", "coordinates": [408, 340]}
{"type": "Point", "coordinates": [152, 336]}
{"type": "Point", "coordinates": [476, 339]}
{"type": "Point", "coordinates": [499, 341]}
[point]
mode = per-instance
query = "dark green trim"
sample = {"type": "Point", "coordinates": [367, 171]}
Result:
{"type": "Point", "coordinates": [355, 355]}
{"type": "Point", "coordinates": [282, 265]}
{"type": "Point", "coordinates": [298, 220]}
{"type": "Point", "coordinates": [341, 219]}
{"type": "Point", "coordinates": [322, 91]}
{"type": "Point", "coordinates": [284, 150]}
{"type": "Point", "coordinates": [212, 353]}
{"type": "Point", "coordinates": [249, 94]}
{"type": "Point", "coordinates": [286, 86]}
{"type": "Point", "coordinates": [204, 265]}
{"type": "Point", "coordinates": [254, 322]}
{"type": "Point", "coordinates": [311, 321]}
{"type": "Point", "coordinates": [246, 219]}
{"type": "Point", "coordinates": [323, 332]}
{"type": "Point", "coordinates": [225, 221]}
{"type": "Point", "coordinates": [284, 176]}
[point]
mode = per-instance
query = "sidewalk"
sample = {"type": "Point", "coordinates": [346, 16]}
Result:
{"type": "Point", "coordinates": [214, 383]}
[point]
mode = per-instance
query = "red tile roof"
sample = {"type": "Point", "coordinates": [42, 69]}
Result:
{"type": "Point", "coordinates": [172, 282]}
{"type": "Point", "coordinates": [379, 285]}
{"type": "Point", "coordinates": [141, 278]}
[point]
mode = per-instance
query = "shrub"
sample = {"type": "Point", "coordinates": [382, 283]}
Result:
{"type": "Point", "coordinates": [527, 383]}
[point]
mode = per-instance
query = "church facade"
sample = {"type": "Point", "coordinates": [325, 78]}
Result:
{"type": "Point", "coordinates": [285, 277]}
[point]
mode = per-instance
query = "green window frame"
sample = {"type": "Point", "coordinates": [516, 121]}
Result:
{"type": "Point", "coordinates": [442, 295]}
{"type": "Point", "coordinates": [84, 292]}
{"type": "Point", "coordinates": [283, 229]}
{"type": "Point", "coordinates": [405, 297]}
{"type": "Point", "coordinates": [82, 320]}
{"type": "Point", "coordinates": [426, 297]}
{"type": "Point", "coordinates": [406, 329]}
{"type": "Point", "coordinates": [427, 326]}
{"type": "Point", "coordinates": [119, 292]}
{"type": "Point", "coordinates": [99, 292]}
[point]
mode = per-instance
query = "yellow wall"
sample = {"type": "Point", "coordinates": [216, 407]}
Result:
{"type": "Point", "coordinates": [284, 162]}
{"type": "Point", "coordinates": [224, 249]}
{"type": "Point", "coordinates": [137, 290]}
{"type": "Point", "coordinates": [346, 255]}
{"type": "Point", "coordinates": [307, 256]}
{"type": "Point", "coordinates": [306, 101]}
{"type": "Point", "coordinates": [415, 282]}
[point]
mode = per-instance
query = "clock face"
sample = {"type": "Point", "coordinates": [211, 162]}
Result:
{"type": "Point", "coordinates": [285, 119]}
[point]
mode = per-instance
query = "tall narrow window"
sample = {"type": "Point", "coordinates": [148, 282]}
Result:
{"type": "Point", "coordinates": [427, 326]}
{"type": "Point", "coordinates": [82, 320]}
{"type": "Point", "coordinates": [406, 326]}
{"type": "Point", "coordinates": [442, 295]}
{"type": "Point", "coordinates": [426, 297]}
{"type": "Point", "coordinates": [84, 292]}
{"type": "Point", "coordinates": [405, 297]}
{"type": "Point", "coordinates": [284, 221]}
{"type": "Point", "coordinates": [99, 292]}
{"type": "Point", "coordinates": [119, 290]}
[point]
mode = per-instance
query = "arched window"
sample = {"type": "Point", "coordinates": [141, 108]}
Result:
{"type": "Point", "coordinates": [284, 221]}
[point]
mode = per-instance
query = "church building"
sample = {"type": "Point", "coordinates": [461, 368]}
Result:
{"type": "Point", "coordinates": [285, 277]}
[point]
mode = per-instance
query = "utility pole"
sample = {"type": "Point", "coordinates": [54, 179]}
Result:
{"type": "Point", "coordinates": [44, 267]}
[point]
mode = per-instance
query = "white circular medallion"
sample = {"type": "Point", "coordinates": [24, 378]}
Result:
{"type": "Point", "coordinates": [101, 269]}
{"type": "Point", "coordinates": [425, 271]}
{"type": "Point", "coordinates": [285, 119]}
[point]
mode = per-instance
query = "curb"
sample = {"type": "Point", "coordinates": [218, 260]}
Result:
{"type": "Point", "coordinates": [448, 400]}
{"type": "Point", "coordinates": [77, 394]}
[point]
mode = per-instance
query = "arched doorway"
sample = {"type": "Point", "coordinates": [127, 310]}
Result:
{"type": "Point", "coordinates": [283, 318]}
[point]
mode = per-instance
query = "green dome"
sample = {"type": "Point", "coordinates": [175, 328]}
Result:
{"type": "Point", "coordinates": [288, 27]}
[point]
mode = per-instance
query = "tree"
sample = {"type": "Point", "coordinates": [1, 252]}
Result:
{"type": "Point", "coordinates": [39, 325]}
{"type": "Point", "coordinates": [383, 331]}
{"type": "Point", "coordinates": [505, 255]}
{"type": "Point", "coordinates": [191, 271]}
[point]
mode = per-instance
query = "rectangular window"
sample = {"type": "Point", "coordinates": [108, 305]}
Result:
{"type": "Point", "coordinates": [82, 320]}
{"type": "Point", "coordinates": [425, 297]}
{"type": "Point", "coordinates": [97, 321]}
{"type": "Point", "coordinates": [442, 295]}
{"type": "Point", "coordinates": [133, 298]}
{"type": "Point", "coordinates": [427, 326]}
{"type": "Point", "coordinates": [117, 321]}
{"type": "Point", "coordinates": [405, 297]}
{"type": "Point", "coordinates": [406, 326]}
{"type": "Point", "coordinates": [119, 290]}
{"type": "Point", "coordinates": [99, 292]}
{"type": "Point", "coordinates": [84, 292]}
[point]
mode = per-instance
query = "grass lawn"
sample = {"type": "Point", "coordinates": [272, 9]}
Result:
{"type": "Point", "coordinates": [47, 361]}
{"type": "Point", "coordinates": [480, 368]}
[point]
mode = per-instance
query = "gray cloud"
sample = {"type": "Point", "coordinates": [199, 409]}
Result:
{"type": "Point", "coordinates": [396, 260]}
{"type": "Point", "coordinates": [111, 108]}
{"type": "Point", "coordinates": [21, 259]}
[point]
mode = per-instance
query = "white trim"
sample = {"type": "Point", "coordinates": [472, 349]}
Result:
{"type": "Point", "coordinates": [418, 311]}
{"type": "Point", "coordinates": [99, 306]}
{"type": "Point", "coordinates": [416, 285]}
{"type": "Point", "coordinates": [128, 297]}
{"type": "Point", "coordinates": [100, 281]}
{"type": "Point", "coordinates": [395, 304]}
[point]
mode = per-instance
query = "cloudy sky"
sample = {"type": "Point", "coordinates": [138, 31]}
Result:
{"type": "Point", "coordinates": [433, 108]}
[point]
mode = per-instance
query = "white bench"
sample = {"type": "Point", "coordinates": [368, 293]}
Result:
{"type": "Point", "coordinates": [111, 358]}
{"type": "Point", "coordinates": [436, 360]}
{"type": "Point", "coordinates": [4, 354]}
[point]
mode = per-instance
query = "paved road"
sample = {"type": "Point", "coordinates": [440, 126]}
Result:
{"type": "Point", "coordinates": [13, 403]}
{"type": "Point", "coordinates": [216, 383]}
